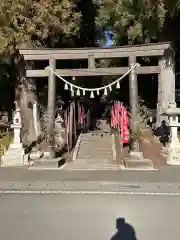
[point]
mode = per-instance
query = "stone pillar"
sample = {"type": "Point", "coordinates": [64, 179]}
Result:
{"type": "Point", "coordinates": [159, 108]}
{"type": "Point", "coordinates": [51, 105]}
{"type": "Point", "coordinates": [166, 84]}
{"type": "Point", "coordinates": [136, 160]}
{"type": "Point", "coordinates": [134, 100]}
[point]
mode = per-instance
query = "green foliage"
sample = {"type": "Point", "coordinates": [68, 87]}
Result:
{"type": "Point", "coordinates": [170, 5]}
{"type": "Point", "coordinates": [133, 20]}
{"type": "Point", "coordinates": [142, 129]}
{"type": "Point", "coordinates": [142, 118]}
{"type": "Point", "coordinates": [5, 140]}
{"type": "Point", "coordinates": [116, 129]}
{"type": "Point", "coordinates": [34, 23]}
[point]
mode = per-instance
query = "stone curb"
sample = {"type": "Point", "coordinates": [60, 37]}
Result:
{"type": "Point", "coordinates": [77, 146]}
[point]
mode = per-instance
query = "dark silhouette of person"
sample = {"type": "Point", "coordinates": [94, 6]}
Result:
{"type": "Point", "coordinates": [59, 106]}
{"type": "Point", "coordinates": [124, 231]}
{"type": "Point", "coordinates": [163, 132]}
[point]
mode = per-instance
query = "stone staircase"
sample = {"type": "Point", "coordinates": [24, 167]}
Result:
{"type": "Point", "coordinates": [95, 152]}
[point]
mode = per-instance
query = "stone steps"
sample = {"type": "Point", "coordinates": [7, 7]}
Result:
{"type": "Point", "coordinates": [97, 147]}
{"type": "Point", "coordinates": [98, 132]}
{"type": "Point", "coordinates": [94, 143]}
{"type": "Point", "coordinates": [91, 144]}
{"type": "Point", "coordinates": [93, 161]}
{"type": "Point", "coordinates": [93, 167]}
{"type": "Point", "coordinates": [95, 151]}
{"type": "Point", "coordinates": [95, 138]}
{"type": "Point", "coordinates": [93, 156]}
{"type": "Point", "coordinates": [101, 142]}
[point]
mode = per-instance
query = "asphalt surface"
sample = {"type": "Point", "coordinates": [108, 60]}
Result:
{"type": "Point", "coordinates": [83, 216]}
{"type": "Point", "coordinates": [90, 187]}
{"type": "Point", "coordinates": [164, 175]}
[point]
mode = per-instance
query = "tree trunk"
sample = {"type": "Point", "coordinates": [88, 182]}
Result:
{"type": "Point", "coordinates": [25, 95]}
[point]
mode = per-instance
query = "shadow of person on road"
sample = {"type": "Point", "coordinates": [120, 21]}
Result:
{"type": "Point", "coordinates": [124, 231]}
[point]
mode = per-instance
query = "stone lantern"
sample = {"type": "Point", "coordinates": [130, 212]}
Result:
{"type": "Point", "coordinates": [14, 156]}
{"type": "Point", "coordinates": [16, 126]}
{"type": "Point", "coordinates": [172, 112]}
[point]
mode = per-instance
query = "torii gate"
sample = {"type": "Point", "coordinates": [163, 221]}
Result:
{"type": "Point", "coordinates": [165, 70]}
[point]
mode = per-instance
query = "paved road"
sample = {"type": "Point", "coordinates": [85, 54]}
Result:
{"type": "Point", "coordinates": [90, 217]}
{"type": "Point", "coordinates": [168, 174]}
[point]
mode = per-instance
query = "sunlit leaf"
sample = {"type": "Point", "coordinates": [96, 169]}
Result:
{"type": "Point", "coordinates": [33, 23]}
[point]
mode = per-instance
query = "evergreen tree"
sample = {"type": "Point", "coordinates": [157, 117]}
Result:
{"type": "Point", "coordinates": [131, 21]}
{"type": "Point", "coordinates": [29, 24]}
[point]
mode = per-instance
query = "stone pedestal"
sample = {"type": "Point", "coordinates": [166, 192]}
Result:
{"type": "Point", "coordinates": [174, 140]}
{"type": "Point", "coordinates": [35, 154]}
{"type": "Point", "coordinates": [173, 156]}
{"type": "Point", "coordinates": [14, 156]}
{"type": "Point", "coordinates": [138, 162]}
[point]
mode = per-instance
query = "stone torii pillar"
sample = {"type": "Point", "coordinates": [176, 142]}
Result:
{"type": "Point", "coordinates": [51, 106]}
{"type": "Point", "coordinates": [166, 84]}
{"type": "Point", "coordinates": [136, 160]}
{"type": "Point", "coordinates": [133, 99]}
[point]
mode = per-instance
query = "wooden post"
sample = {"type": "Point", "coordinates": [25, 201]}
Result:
{"type": "Point", "coordinates": [51, 105]}
{"type": "Point", "coordinates": [133, 94]}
